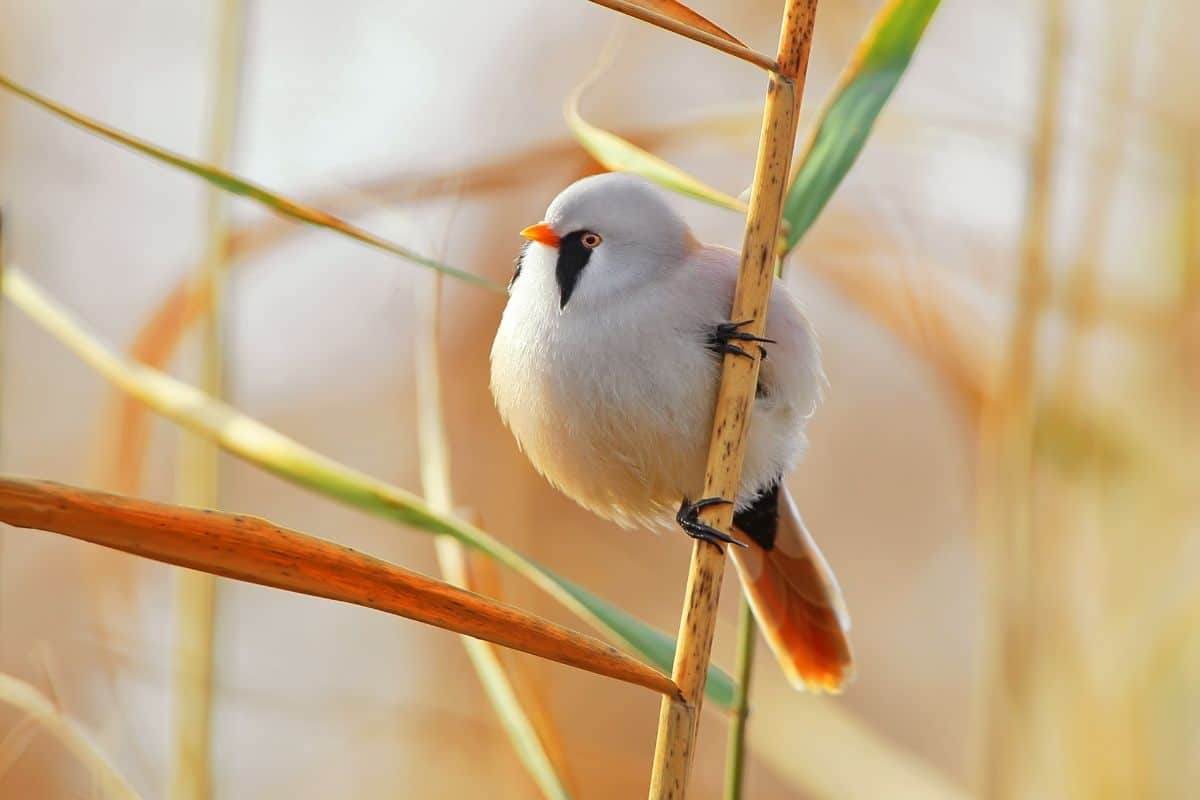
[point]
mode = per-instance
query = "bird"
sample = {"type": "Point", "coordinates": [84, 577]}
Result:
{"type": "Point", "coordinates": [605, 368]}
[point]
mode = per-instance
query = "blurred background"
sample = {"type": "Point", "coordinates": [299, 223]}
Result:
{"type": "Point", "coordinates": [1004, 473]}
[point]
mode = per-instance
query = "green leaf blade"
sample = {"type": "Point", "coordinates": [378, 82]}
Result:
{"type": "Point", "coordinates": [652, 644]}
{"type": "Point", "coordinates": [241, 187]}
{"type": "Point", "coordinates": [620, 155]}
{"type": "Point", "coordinates": [864, 89]}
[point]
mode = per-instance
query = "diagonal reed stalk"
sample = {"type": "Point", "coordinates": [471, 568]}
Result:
{"type": "Point", "coordinates": [197, 479]}
{"type": "Point", "coordinates": [679, 719]}
{"type": "Point", "coordinates": [515, 702]}
{"type": "Point", "coordinates": [256, 551]}
{"type": "Point", "coordinates": [235, 184]}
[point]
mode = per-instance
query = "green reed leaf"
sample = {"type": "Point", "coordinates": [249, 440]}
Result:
{"type": "Point", "coordinates": [239, 186]}
{"type": "Point", "coordinates": [846, 122]}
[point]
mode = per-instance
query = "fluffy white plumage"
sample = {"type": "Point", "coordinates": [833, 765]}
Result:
{"type": "Point", "coordinates": [611, 395]}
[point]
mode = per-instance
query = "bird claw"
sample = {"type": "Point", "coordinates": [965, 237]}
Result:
{"type": "Point", "coordinates": [689, 520]}
{"type": "Point", "coordinates": [729, 347]}
{"type": "Point", "coordinates": [726, 333]}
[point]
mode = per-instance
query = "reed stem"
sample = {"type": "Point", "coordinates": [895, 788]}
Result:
{"type": "Point", "coordinates": [197, 473]}
{"type": "Point", "coordinates": [2, 265]}
{"type": "Point", "coordinates": [1006, 472]}
{"type": "Point", "coordinates": [678, 719]}
{"type": "Point", "coordinates": [735, 753]}
{"type": "Point", "coordinates": [517, 704]}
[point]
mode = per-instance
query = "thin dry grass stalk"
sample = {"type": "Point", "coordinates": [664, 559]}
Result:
{"type": "Point", "coordinates": [254, 550]}
{"type": "Point", "coordinates": [514, 698]}
{"type": "Point", "coordinates": [38, 707]}
{"type": "Point", "coordinates": [735, 748]}
{"type": "Point", "coordinates": [679, 719]}
{"type": "Point", "coordinates": [678, 18]}
{"type": "Point", "coordinates": [197, 479]}
{"type": "Point", "coordinates": [1187, 318]}
{"type": "Point", "coordinates": [1006, 464]}
{"type": "Point", "coordinates": [1082, 291]}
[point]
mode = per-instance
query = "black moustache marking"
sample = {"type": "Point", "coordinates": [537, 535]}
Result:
{"type": "Point", "coordinates": [572, 258]}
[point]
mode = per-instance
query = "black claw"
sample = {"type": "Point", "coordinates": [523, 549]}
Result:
{"type": "Point", "coordinates": [725, 333]}
{"type": "Point", "coordinates": [689, 520]}
{"type": "Point", "coordinates": [729, 330]}
{"type": "Point", "coordinates": [728, 347]}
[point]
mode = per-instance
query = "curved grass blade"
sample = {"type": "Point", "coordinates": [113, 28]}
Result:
{"type": "Point", "coordinates": [239, 186]}
{"type": "Point", "coordinates": [621, 155]}
{"type": "Point", "coordinates": [38, 707]}
{"type": "Point", "coordinates": [846, 122]}
{"type": "Point", "coordinates": [675, 17]}
{"type": "Point", "coordinates": [256, 551]}
{"type": "Point", "coordinates": [536, 753]}
{"type": "Point", "coordinates": [290, 460]}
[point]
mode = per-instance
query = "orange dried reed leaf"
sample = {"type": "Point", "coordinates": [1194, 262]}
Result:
{"type": "Point", "coordinates": [256, 551]}
{"type": "Point", "coordinates": [678, 18]}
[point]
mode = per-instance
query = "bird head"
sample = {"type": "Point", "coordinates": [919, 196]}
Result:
{"type": "Point", "coordinates": [606, 235]}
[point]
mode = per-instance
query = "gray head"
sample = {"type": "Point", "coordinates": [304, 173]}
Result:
{"type": "Point", "coordinates": [605, 235]}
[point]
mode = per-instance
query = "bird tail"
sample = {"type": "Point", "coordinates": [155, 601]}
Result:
{"type": "Point", "coordinates": [797, 602]}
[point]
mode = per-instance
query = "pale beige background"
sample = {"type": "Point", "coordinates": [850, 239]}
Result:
{"type": "Point", "coordinates": [316, 700]}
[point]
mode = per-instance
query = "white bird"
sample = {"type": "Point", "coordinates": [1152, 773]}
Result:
{"type": "Point", "coordinates": [605, 367]}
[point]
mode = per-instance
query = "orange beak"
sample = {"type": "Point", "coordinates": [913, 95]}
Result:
{"type": "Point", "coordinates": [541, 233]}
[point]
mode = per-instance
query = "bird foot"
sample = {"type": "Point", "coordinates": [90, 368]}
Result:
{"type": "Point", "coordinates": [689, 519]}
{"type": "Point", "coordinates": [725, 335]}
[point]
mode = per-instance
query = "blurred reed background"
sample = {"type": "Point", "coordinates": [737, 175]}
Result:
{"type": "Point", "coordinates": [1004, 474]}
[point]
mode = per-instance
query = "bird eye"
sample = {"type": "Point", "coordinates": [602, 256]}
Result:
{"type": "Point", "coordinates": [590, 240]}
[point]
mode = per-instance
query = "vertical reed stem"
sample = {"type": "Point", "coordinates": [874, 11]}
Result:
{"type": "Point", "coordinates": [2, 266]}
{"type": "Point", "coordinates": [1189, 290]}
{"type": "Point", "coordinates": [2, 393]}
{"type": "Point", "coordinates": [197, 476]}
{"type": "Point", "coordinates": [678, 719]}
{"type": "Point", "coordinates": [1006, 467]}
{"type": "Point", "coordinates": [518, 707]}
{"type": "Point", "coordinates": [735, 752]}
